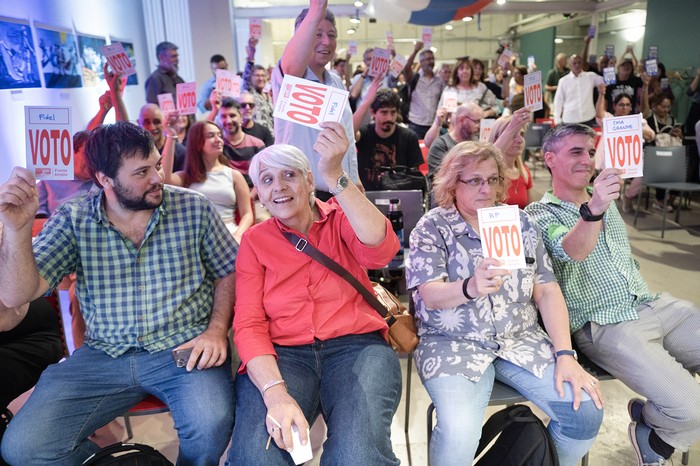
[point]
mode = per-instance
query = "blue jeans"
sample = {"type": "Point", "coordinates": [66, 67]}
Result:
{"type": "Point", "coordinates": [460, 405]}
{"type": "Point", "coordinates": [353, 381]}
{"type": "Point", "coordinates": [74, 398]}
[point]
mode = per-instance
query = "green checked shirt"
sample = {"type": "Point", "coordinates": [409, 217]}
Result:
{"type": "Point", "coordinates": [606, 287]}
{"type": "Point", "coordinates": [153, 297]}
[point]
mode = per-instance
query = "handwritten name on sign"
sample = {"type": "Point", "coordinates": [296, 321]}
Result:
{"type": "Point", "coordinates": [533, 91]}
{"type": "Point", "coordinates": [166, 102]}
{"type": "Point", "coordinates": [379, 65]}
{"type": "Point", "coordinates": [186, 98]}
{"type": "Point", "coordinates": [118, 59]}
{"type": "Point", "coordinates": [622, 140]}
{"type": "Point", "coordinates": [228, 83]}
{"type": "Point", "coordinates": [309, 103]}
{"type": "Point", "coordinates": [501, 236]}
{"type": "Point", "coordinates": [49, 142]}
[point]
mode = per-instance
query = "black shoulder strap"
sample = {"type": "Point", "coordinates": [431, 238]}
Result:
{"type": "Point", "coordinates": [302, 245]}
{"type": "Point", "coordinates": [110, 450]}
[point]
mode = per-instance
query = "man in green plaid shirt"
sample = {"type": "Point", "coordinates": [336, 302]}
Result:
{"type": "Point", "coordinates": [649, 342]}
{"type": "Point", "coordinates": [155, 272]}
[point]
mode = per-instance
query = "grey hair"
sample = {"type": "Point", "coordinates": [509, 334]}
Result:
{"type": "Point", "coordinates": [553, 138]}
{"type": "Point", "coordinates": [281, 156]}
{"type": "Point", "coordinates": [247, 94]}
{"type": "Point", "coordinates": [329, 16]}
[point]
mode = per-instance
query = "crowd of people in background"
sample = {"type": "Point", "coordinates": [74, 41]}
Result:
{"type": "Point", "coordinates": [174, 220]}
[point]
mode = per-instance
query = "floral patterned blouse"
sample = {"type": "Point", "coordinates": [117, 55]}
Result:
{"type": "Point", "coordinates": [465, 340]}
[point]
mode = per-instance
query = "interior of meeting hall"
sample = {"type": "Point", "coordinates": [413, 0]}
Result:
{"type": "Point", "coordinates": [535, 30]}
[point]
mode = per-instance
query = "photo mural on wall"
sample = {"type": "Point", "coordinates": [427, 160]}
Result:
{"type": "Point", "coordinates": [92, 59]}
{"type": "Point", "coordinates": [18, 61]}
{"type": "Point", "coordinates": [58, 52]}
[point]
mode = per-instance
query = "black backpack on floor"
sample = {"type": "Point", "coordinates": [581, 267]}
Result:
{"type": "Point", "coordinates": [127, 454]}
{"type": "Point", "coordinates": [524, 440]}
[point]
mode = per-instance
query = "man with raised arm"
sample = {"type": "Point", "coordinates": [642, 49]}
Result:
{"type": "Point", "coordinates": [155, 273]}
{"type": "Point", "coordinates": [308, 51]}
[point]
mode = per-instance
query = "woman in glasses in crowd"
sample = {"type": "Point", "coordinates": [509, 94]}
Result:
{"type": "Point", "coordinates": [478, 322]}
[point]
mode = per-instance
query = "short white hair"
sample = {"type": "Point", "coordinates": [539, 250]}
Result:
{"type": "Point", "coordinates": [281, 156]}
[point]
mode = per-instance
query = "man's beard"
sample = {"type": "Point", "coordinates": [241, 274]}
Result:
{"type": "Point", "coordinates": [131, 202]}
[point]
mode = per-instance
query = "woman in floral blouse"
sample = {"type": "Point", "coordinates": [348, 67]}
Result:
{"type": "Point", "coordinates": [478, 322]}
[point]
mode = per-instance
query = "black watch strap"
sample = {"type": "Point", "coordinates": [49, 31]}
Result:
{"type": "Point", "coordinates": [586, 214]}
{"type": "Point", "coordinates": [560, 353]}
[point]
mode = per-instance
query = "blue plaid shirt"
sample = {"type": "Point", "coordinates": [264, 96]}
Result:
{"type": "Point", "coordinates": [153, 297]}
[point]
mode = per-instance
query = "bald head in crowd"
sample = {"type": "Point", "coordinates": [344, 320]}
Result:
{"type": "Point", "coordinates": [151, 119]}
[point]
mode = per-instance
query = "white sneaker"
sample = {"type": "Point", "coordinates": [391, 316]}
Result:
{"type": "Point", "coordinates": [660, 208]}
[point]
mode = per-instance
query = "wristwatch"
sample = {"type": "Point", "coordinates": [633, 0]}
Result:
{"type": "Point", "coordinates": [586, 214]}
{"type": "Point", "coordinates": [341, 184]}
{"type": "Point", "coordinates": [566, 352]}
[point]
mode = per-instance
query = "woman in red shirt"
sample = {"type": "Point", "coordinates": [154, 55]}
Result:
{"type": "Point", "coordinates": [309, 342]}
{"type": "Point", "coordinates": [508, 133]}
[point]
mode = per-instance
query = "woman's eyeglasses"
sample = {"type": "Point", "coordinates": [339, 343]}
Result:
{"type": "Point", "coordinates": [479, 182]}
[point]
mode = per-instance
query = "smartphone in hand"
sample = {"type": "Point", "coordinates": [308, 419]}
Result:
{"type": "Point", "coordinates": [181, 356]}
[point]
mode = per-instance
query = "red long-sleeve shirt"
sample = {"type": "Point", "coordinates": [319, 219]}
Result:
{"type": "Point", "coordinates": [287, 298]}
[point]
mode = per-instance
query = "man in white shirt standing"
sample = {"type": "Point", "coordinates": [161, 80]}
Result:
{"type": "Point", "coordinates": [573, 102]}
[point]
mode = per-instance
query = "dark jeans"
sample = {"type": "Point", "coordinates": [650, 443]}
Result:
{"type": "Point", "coordinates": [26, 350]}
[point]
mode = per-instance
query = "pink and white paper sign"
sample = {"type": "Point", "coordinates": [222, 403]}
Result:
{"type": "Point", "coordinates": [501, 236]}
{"type": "Point", "coordinates": [622, 140]}
{"type": "Point", "coordinates": [186, 98]}
{"type": "Point", "coordinates": [166, 103]}
{"type": "Point", "coordinates": [397, 65]}
{"type": "Point", "coordinates": [379, 65]}
{"type": "Point", "coordinates": [228, 83]}
{"type": "Point", "coordinates": [309, 103]}
{"type": "Point", "coordinates": [533, 91]}
{"type": "Point", "coordinates": [49, 139]}
{"type": "Point", "coordinates": [427, 37]}
{"type": "Point", "coordinates": [118, 59]}
{"type": "Point", "coordinates": [255, 28]}
{"type": "Point", "coordinates": [485, 129]}
{"type": "Point", "coordinates": [449, 100]}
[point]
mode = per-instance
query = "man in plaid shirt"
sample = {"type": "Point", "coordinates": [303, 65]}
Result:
{"type": "Point", "coordinates": [649, 342]}
{"type": "Point", "coordinates": [155, 272]}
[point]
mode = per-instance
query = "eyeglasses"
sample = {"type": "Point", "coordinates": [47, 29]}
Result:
{"type": "Point", "coordinates": [474, 120]}
{"type": "Point", "coordinates": [479, 182]}
{"type": "Point", "coordinates": [247, 105]}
